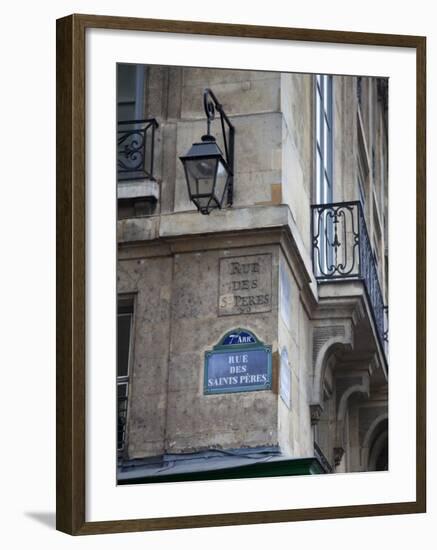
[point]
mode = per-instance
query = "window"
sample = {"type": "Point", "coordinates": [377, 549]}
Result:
{"type": "Point", "coordinates": [130, 91]}
{"type": "Point", "coordinates": [138, 190]}
{"type": "Point", "coordinates": [135, 134]}
{"type": "Point", "coordinates": [362, 166]}
{"type": "Point", "coordinates": [324, 134]}
{"type": "Point", "coordinates": [124, 338]}
{"type": "Point", "coordinates": [324, 181]}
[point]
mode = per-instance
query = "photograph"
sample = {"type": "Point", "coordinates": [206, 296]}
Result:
{"type": "Point", "coordinates": [216, 266]}
{"type": "Point", "coordinates": [252, 273]}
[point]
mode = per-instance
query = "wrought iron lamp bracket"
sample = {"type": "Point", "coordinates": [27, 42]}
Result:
{"type": "Point", "coordinates": [211, 105]}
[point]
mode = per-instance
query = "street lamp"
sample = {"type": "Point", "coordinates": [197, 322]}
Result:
{"type": "Point", "coordinates": [208, 172]}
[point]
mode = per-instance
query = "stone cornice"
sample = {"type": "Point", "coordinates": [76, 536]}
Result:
{"type": "Point", "coordinates": [181, 232]}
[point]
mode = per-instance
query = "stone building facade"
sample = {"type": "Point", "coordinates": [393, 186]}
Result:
{"type": "Point", "coordinates": [299, 262]}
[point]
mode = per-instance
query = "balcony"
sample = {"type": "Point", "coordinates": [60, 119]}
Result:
{"type": "Point", "coordinates": [136, 149]}
{"type": "Point", "coordinates": [342, 250]}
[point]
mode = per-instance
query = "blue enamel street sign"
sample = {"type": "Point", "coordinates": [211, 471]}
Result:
{"type": "Point", "coordinates": [239, 363]}
{"type": "Point", "coordinates": [236, 337]}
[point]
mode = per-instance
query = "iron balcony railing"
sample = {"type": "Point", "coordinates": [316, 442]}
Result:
{"type": "Point", "coordinates": [136, 149]}
{"type": "Point", "coordinates": [342, 250]}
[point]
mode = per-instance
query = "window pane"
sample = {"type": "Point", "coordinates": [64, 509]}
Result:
{"type": "Point", "coordinates": [126, 111]}
{"type": "Point", "coordinates": [327, 186]}
{"type": "Point", "coordinates": [318, 118]}
{"type": "Point", "coordinates": [121, 390]}
{"type": "Point", "coordinates": [123, 333]}
{"type": "Point", "coordinates": [325, 94]}
{"type": "Point", "coordinates": [318, 177]}
{"type": "Point", "coordinates": [326, 145]}
{"type": "Point", "coordinates": [130, 91]}
{"type": "Point", "coordinates": [121, 414]}
{"type": "Point", "coordinates": [126, 82]}
{"type": "Point", "coordinates": [324, 138]}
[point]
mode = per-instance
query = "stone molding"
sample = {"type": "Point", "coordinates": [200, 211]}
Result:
{"type": "Point", "coordinates": [377, 415]}
{"type": "Point", "coordinates": [326, 338]}
{"type": "Point", "coordinates": [360, 387]}
{"type": "Point", "coordinates": [135, 189]}
{"type": "Point", "coordinates": [316, 411]}
{"type": "Point", "coordinates": [338, 455]}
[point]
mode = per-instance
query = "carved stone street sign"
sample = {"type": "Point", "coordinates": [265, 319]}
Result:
{"type": "Point", "coordinates": [245, 284]}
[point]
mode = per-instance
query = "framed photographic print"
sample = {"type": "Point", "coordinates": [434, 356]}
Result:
{"type": "Point", "coordinates": [241, 274]}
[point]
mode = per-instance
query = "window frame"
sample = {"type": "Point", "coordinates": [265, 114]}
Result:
{"type": "Point", "coordinates": [125, 306]}
{"type": "Point", "coordinates": [136, 97]}
{"type": "Point", "coordinates": [324, 156]}
{"type": "Point", "coordinates": [324, 128]}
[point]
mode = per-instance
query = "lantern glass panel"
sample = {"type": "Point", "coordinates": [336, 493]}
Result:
{"type": "Point", "coordinates": [220, 182]}
{"type": "Point", "coordinates": [201, 174]}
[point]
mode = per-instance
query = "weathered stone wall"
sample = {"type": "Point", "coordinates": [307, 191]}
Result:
{"type": "Point", "coordinates": [177, 318]}
{"type": "Point", "coordinates": [297, 149]}
{"type": "Point", "coordinates": [294, 339]}
{"type": "Point", "coordinates": [150, 280]}
{"type": "Point", "coordinates": [227, 420]}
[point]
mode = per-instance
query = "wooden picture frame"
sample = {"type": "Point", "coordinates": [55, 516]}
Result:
{"type": "Point", "coordinates": [71, 253]}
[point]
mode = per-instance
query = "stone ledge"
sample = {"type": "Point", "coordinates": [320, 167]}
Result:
{"type": "Point", "coordinates": [134, 230]}
{"type": "Point", "coordinates": [192, 224]}
{"type": "Point", "coordinates": [135, 189]}
{"type": "Point", "coordinates": [229, 219]}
